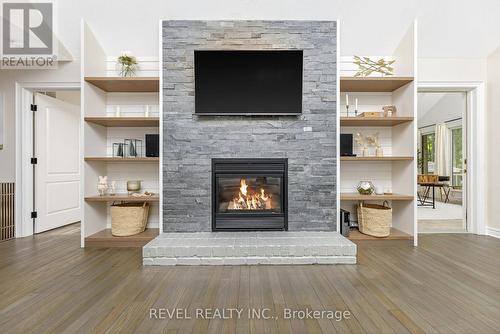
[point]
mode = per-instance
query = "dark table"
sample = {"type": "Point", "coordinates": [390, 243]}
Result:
{"type": "Point", "coordinates": [425, 200]}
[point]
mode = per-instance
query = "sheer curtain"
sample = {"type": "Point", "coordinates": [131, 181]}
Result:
{"type": "Point", "coordinates": [443, 150]}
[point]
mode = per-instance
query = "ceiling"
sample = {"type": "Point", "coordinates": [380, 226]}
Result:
{"type": "Point", "coordinates": [426, 101]}
{"type": "Point", "coordinates": [436, 107]}
{"type": "Point", "coordinates": [447, 28]}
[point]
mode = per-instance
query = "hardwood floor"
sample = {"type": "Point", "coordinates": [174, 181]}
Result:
{"type": "Point", "coordinates": [449, 284]}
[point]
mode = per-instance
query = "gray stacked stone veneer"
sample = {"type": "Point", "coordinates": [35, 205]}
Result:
{"type": "Point", "coordinates": [308, 141]}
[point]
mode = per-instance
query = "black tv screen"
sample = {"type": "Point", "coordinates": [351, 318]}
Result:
{"type": "Point", "coordinates": [248, 82]}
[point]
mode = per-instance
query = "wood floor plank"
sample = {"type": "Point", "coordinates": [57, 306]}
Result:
{"type": "Point", "coordinates": [449, 284]}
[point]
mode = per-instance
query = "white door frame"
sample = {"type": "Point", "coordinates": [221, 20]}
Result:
{"type": "Point", "coordinates": [24, 140]}
{"type": "Point", "coordinates": [476, 152]}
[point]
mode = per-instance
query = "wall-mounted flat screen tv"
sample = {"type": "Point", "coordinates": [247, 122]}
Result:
{"type": "Point", "coordinates": [248, 82]}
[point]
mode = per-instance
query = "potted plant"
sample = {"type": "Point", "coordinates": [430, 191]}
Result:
{"type": "Point", "coordinates": [128, 64]}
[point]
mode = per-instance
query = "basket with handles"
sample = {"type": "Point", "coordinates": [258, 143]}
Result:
{"type": "Point", "coordinates": [375, 219]}
{"type": "Point", "coordinates": [129, 218]}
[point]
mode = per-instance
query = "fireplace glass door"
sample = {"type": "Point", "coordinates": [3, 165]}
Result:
{"type": "Point", "coordinates": [249, 194]}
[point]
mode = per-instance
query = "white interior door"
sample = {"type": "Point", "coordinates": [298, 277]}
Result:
{"type": "Point", "coordinates": [57, 173]}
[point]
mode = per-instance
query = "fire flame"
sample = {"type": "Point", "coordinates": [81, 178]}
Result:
{"type": "Point", "coordinates": [246, 201]}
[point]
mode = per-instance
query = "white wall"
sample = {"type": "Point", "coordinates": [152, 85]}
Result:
{"type": "Point", "coordinates": [493, 121]}
{"type": "Point", "coordinates": [2, 120]}
{"type": "Point", "coordinates": [447, 29]}
{"type": "Point", "coordinates": [451, 69]}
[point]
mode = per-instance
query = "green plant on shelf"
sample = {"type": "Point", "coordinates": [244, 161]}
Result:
{"type": "Point", "coordinates": [128, 64]}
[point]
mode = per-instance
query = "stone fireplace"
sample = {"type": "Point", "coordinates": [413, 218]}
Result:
{"type": "Point", "coordinates": [198, 195]}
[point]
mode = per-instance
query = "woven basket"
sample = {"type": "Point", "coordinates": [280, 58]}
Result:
{"type": "Point", "coordinates": [374, 219]}
{"type": "Point", "coordinates": [129, 218]}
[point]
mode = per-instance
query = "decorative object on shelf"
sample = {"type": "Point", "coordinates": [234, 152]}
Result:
{"type": "Point", "coordinates": [346, 145]}
{"type": "Point", "coordinates": [128, 64]}
{"type": "Point", "coordinates": [112, 188]}
{"type": "Point", "coordinates": [373, 140]}
{"type": "Point", "coordinates": [134, 148]}
{"type": "Point", "coordinates": [371, 114]}
{"type": "Point", "coordinates": [365, 188]}
{"type": "Point", "coordinates": [129, 218]}
{"type": "Point", "coordinates": [379, 191]}
{"type": "Point", "coordinates": [144, 194]}
{"type": "Point", "coordinates": [102, 185]}
{"type": "Point", "coordinates": [119, 149]}
{"type": "Point", "coordinates": [347, 104]}
{"type": "Point", "coordinates": [374, 219]}
{"type": "Point", "coordinates": [146, 111]}
{"type": "Point", "coordinates": [117, 111]}
{"type": "Point", "coordinates": [356, 107]}
{"type": "Point", "coordinates": [133, 186]}
{"type": "Point", "coordinates": [367, 66]}
{"type": "Point", "coordinates": [389, 111]}
{"type": "Point", "coordinates": [361, 142]}
{"type": "Point", "coordinates": [388, 191]}
{"type": "Point", "coordinates": [152, 145]}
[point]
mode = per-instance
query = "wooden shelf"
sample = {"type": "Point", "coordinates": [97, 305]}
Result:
{"type": "Point", "coordinates": [373, 84]}
{"type": "Point", "coordinates": [394, 158]}
{"type": "Point", "coordinates": [128, 84]}
{"type": "Point", "coordinates": [374, 121]}
{"type": "Point", "coordinates": [358, 197]}
{"type": "Point", "coordinates": [104, 238]}
{"type": "Point", "coordinates": [118, 159]}
{"type": "Point", "coordinates": [125, 121]}
{"type": "Point", "coordinates": [122, 197]}
{"type": "Point", "coordinates": [395, 235]}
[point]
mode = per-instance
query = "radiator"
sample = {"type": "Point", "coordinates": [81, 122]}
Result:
{"type": "Point", "coordinates": [6, 211]}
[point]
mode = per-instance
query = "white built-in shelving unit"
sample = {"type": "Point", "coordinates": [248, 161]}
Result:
{"type": "Point", "coordinates": [103, 92]}
{"type": "Point", "coordinates": [397, 169]}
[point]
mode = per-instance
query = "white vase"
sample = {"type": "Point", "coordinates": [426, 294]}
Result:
{"type": "Point", "coordinates": [379, 152]}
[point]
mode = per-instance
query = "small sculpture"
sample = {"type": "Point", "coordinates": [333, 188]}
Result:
{"type": "Point", "coordinates": [389, 111]}
{"type": "Point", "coordinates": [373, 140]}
{"type": "Point", "coordinates": [365, 188]}
{"type": "Point", "coordinates": [112, 188]}
{"type": "Point", "coordinates": [102, 185]}
{"type": "Point", "coordinates": [361, 142]}
{"type": "Point", "coordinates": [366, 66]}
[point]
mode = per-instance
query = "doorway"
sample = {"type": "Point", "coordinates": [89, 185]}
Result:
{"type": "Point", "coordinates": [56, 165]}
{"type": "Point", "coordinates": [48, 154]}
{"type": "Point", "coordinates": [442, 152]}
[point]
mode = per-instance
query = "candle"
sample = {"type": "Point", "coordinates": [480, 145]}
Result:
{"type": "Point", "coordinates": [346, 99]}
{"type": "Point", "coordinates": [356, 102]}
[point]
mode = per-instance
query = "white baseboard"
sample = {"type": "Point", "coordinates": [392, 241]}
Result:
{"type": "Point", "coordinates": [494, 232]}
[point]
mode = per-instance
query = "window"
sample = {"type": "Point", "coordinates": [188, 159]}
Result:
{"type": "Point", "coordinates": [456, 157]}
{"type": "Point", "coordinates": [428, 147]}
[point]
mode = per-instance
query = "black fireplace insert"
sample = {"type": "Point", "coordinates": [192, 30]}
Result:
{"type": "Point", "coordinates": [249, 194]}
